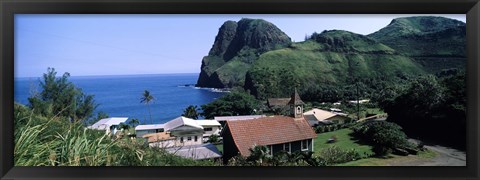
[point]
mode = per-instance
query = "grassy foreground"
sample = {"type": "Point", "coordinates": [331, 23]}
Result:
{"type": "Point", "coordinates": [41, 141]}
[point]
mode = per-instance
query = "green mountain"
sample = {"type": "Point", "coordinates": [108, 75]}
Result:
{"type": "Point", "coordinates": [236, 47]}
{"type": "Point", "coordinates": [428, 40]}
{"type": "Point", "coordinates": [331, 58]}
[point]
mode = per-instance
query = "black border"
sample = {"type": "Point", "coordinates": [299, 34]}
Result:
{"type": "Point", "coordinates": [10, 7]}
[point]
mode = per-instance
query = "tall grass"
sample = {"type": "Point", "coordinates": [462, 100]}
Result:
{"type": "Point", "coordinates": [41, 141]}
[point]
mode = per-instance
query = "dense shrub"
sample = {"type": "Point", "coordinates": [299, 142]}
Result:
{"type": "Point", "coordinates": [385, 136]}
{"type": "Point", "coordinates": [336, 155]}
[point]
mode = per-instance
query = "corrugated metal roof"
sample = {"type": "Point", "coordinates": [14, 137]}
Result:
{"type": "Point", "coordinates": [180, 121]}
{"type": "Point", "coordinates": [103, 124]}
{"type": "Point", "coordinates": [203, 151]}
{"type": "Point", "coordinates": [208, 122]}
{"type": "Point", "coordinates": [321, 115]}
{"type": "Point", "coordinates": [149, 127]}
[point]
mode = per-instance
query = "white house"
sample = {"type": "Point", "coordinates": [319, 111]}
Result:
{"type": "Point", "coordinates": [141, 130]}
{"type": "Point", "coordinates": [109, 125]}
{"type": "Point", "coordinates": [319, 116]}
{"type": "Point", "coordinates": [210, 127]}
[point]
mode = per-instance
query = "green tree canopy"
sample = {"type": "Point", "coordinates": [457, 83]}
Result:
{"type": "Point", "coordinates": [191, 112]}
{"type": "Point", "coordinates": [59, 97]}
{"type": "Point", "coordinates": [232, 104]}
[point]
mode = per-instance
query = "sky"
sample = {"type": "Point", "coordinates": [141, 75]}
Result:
{"type": "Point", "coordinates": [86, 45]}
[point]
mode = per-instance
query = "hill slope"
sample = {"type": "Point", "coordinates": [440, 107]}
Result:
{"type": "Point", "coordinates": [331, 58]}
{"type": "Point", "coordinates": [427, 40]}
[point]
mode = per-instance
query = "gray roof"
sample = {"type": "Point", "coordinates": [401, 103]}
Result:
{"type": "Point", "coordinates": [202, 151]}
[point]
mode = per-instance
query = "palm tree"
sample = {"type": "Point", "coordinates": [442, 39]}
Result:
{"type": "Point", "coordinates": [147, 98]}
{"type": "Point", "coordinates": [191, 112]}
{"type": "Point", "coordinates": [134, 122]}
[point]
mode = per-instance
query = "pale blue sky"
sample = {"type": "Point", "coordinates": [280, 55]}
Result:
{"type": "Point", "coordinates": [149, 44]}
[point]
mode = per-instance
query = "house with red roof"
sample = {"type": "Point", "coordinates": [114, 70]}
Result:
{"type": "Point", "coordinates": [278, 133]}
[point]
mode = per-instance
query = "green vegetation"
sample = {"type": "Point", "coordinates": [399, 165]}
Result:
{"type": "Point", "coordinates": [42, 141]}
{"type": "Point", "coordinates": [232, 104]}
{"type": "Point", "coordinates": [191, 112]}
{"type": "Point", "coordinates": [236, 47]}
{"type": "Point", "coordinates": [391, 160]}
{"type": "Point", "coordinates": [386, 137]}
{"type": "Point", "coordinates": [436, 43]}
{"type": "Point", "coordinates": [59, 97]}
{"type": "Point", "coordinates": [328, 69]}
{"type": "Point", "coordinates": [344, 140]}
{"type": "Point", "coordinates": [434, 103]}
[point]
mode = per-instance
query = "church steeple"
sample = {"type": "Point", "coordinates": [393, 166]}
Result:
{"type": "Point", "coordinates": [296, 105]}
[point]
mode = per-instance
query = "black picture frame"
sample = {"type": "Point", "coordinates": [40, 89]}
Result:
{"type": "Point", "coordinates": [11, 7]}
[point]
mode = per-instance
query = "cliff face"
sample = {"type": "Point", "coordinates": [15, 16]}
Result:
{"type": "Point", "coordinates": [236, 47]}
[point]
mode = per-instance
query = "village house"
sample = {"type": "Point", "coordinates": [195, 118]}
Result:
{"type": "Point", "coordinates": [180, 131]}
{"type": "Point", "coordinates": [322, 117]}
{"type": "Point", "coordinates": [210, 127]}
{"type": "Point", "coordinates": [277, 133]}
{"type": "Point", "coordinates": [109, 125]}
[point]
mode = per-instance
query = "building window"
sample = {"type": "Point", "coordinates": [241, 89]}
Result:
{"type": "Point", "coordinates": [196, 138]}
{"type": "Point", "coordinates": [189, 138]}
{"type": "Point", "coordinates": [304, 145]}
{"type": "Point", "coordinates": [181, 139]}
{"type": "Point", "coordinates": [287, 147]}
{"type": "Point", "coordinates": [207, 129]}
{"type": "Point", "coordinates": [159, 130]}
{"type": "Point", "coordinates": [299, 110]}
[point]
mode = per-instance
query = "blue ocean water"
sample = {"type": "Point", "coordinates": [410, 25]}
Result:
{"type": "Point", "coordinates": [119, 96]}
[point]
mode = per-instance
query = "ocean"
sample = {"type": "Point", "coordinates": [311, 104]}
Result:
{"type": "Point", "coordinates": [119, 95]}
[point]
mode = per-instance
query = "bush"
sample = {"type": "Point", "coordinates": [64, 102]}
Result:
{"type": "Point", "coordinates": [385, 136]}
{"type": "Point", "coordinates": [336, 155]}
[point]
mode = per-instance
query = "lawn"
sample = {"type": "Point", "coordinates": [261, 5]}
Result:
{"type": "Point", "coordinates": [344, 141]}
{"type": "Point", "coordinates": [219, 147]}
{"type": "Point", "coordinates": [392, 160]}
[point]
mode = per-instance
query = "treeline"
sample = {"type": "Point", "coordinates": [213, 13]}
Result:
{"type": "Point", "coordinates": [432, 107]}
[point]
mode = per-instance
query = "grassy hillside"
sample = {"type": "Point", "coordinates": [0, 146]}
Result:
{"type": "Point", "coordinates": [431, 41]}
{"type": "Point", "coordinates": [329, 58]}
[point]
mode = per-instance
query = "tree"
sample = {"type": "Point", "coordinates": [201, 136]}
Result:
{"type": "Point", "coordinates": [124, 127]}
{"type": "Point", "coordinates": [59, 97]}
{"type": "Point", "coordinates": [147, 98]}
{"type": "Point", "coordinates": [134, 122]}
{"type": "Point", "coordinates": [232, 104]}
{"type": "Point", "coordinates": [191, 112]}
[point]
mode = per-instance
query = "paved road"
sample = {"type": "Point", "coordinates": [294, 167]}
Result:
{"type": "Point", "coordinates": [446, 157]}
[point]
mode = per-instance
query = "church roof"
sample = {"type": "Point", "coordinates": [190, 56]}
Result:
{"type": "Point", "coordinates": [268, 131]}
{"type": "Point", "coordinates": [295, 100]}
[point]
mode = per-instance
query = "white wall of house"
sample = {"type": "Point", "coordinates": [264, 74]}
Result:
{"type": "Point", "coordinates": [187, 140]}
{"type": "Point", "coordinates": [209, 130]}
